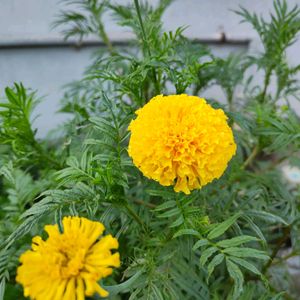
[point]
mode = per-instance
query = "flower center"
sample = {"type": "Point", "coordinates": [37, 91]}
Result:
{"type": "Point", "coordinates": [180, 145]}
{"type": "Point", "coordinates": [69, 262]}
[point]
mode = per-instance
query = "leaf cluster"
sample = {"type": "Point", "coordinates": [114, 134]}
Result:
{"type": "Point", "coordinates": [221, 242]}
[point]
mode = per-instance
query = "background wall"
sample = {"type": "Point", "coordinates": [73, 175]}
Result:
{"type": "Point", "coordinates": [32, 52]}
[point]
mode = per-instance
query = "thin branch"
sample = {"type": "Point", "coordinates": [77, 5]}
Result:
{"type": "Point", "coordinates": [251, 157]}
{"type": "Point", "coordinates": [133, 214]}
{"type": "Point", "coordinates": [145, 39]}
{"type": "Point", "coordinates": [141, 202]}
{"type": "Point", "coordinates": [285, 236]}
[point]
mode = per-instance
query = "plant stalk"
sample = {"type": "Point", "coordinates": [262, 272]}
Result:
{"type": "Point", "coordinates": [280, 242]}
{"type": "Point", "coordinates": [266, 84]}
{"type": "Point", "coordinates": [133, 214]}
{"type": "Point", "coordinates": [251, 157]}
{"type": "Point", "coordinates": [106, 39]}
{"type": "Point", "coordinates": [146, 43]}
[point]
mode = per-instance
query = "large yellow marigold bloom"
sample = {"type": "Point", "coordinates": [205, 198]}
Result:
{"type": "Point", "coordinates": [181, 140]}
{"type": "Point", "coordinates": [68, 265]}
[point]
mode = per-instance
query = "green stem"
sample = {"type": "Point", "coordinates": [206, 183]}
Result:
{"type": "Point", "coordinates": [138, 10]}
{"type": "Point", "coordinates": [106, 39]}
{"type": "Point", "coordinates": [44, 156]}
{"type": "Point", "coordinates": [251, 157]}
{"type": "Point", "coordinates": [146, 204]}
{"type": "Point", "coordinates": [146, 43]}
{"type": "Point", "coordinates": [266, 84]}
{"type": "Point", "coordinates": [229, 99]}
{"type": "Point", "coordinates": [133, 214]}
{"type": "Point", "coordinates": [285, 236]}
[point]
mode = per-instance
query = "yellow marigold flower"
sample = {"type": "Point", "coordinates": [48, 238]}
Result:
{"type": "Point", "coordinates": [181, 140]}
{"type": "Point", "coordinates": [68, 265]}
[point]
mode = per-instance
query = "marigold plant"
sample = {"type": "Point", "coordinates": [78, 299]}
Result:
{"type": "Point", "coordinates": [200, 198]}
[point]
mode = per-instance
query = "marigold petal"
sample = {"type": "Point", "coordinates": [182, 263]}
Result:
{"type": "Point", "coordinates": [52, 230]}
{"type": "Point", "coordinates": [61, 286]}
{"type": "Point", "coordinates": [101, 291]}
{"type": "Point", "coordinates": [70, 290]}
{"type": "Point", "coordinates": [80, 289]}
{"type": "Point", "coordinates": [181, 140]}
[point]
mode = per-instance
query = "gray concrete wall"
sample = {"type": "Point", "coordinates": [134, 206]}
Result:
{"type": "Point", "coordinates": [32, 52]}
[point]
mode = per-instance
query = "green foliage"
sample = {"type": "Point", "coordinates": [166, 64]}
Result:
{"type": "Point", "coordinates": [221, 242]}
{"type": "Point", "coordinates": [282, 130]}
{"type": "Point", "coordinates": [16, 118]}
{"type": "Point", "coordinates": [276, 36]}
{"type": "Point", "coordinates": [16, 128]}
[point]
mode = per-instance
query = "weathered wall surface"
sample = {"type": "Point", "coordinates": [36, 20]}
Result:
{"type": "Point", "coordinates": [32, 52]}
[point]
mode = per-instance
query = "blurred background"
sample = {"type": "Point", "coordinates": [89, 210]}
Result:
{"type": "Point", "coordinates": [35, 53]}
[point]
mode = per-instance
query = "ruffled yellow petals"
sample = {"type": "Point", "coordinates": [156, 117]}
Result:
{"type": "Point", "coordinates": [80, 289]}
{"type": "Point", "coordinates": [68, 265]}
{"type": "Point", "coordinates": [52, 231]}
{"type": "Point", "coordinates": [60, 285]}
{"type": "Point", "coordinates": [70, 290]}
{"type": "Point", "coordinates": [108, 242]}
{"type": "Point", "coordinates": [181, 140]}
{"type": "Point", "coordinates": [101, 291]}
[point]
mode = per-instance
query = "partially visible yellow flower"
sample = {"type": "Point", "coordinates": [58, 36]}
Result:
{"type": "Point", "coordinates": [181, 140]}
{"type": "Point", "coordinates": [68, 265]}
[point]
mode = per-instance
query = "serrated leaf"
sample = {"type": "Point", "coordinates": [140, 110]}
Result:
{"type": "Point", "coordinates": [186, 232]}
{"type": "Point", "coordinates": [266, 216]}
{"type": "Point", "coordinates": [255, 228]}
{"type": "Point", "coordinates": [7, 172]}
{"type": "Point", "coordinates": [246, 252]}
{"type": "Point", "coordinates": [124, 286]}
{"type": "Point", "coordinates": [237, 276]}
{"type": "Point", "coordinates": [156, 292]}
{"type": "Point", "coordinates": [44, 206]}
{"type": "Point", "coordinates": [170, 213]}
{"type": "Point", "coordinates": [215, 262]}
{"type": "Point", "coordinates": [100, 143]}
{"type": "Point", "coordinates": [236, 241]}
{"type": "Point", "coordinates": [179, 221]}
{"type": "Point", "coordinates": [105, 127]}
{"type": "Point", "coordinates": [222, 227]}
{"type": "Point", "coordinates": [72, 162]}
{"type": "Point", "coordinates": [207, 254]}
{"type": "Point", "coordinates": [160, 193]}
{"type": "Point", "coordinates": [200, 244]}
{"type": "Point", "coordinates": [165, 205]}
{"type": "Point", "coordinates": [2, 288]}
{"type": "Point", "coordinates": [245, 264]}
{"type": "Point", "coordinates": [22, 229]}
